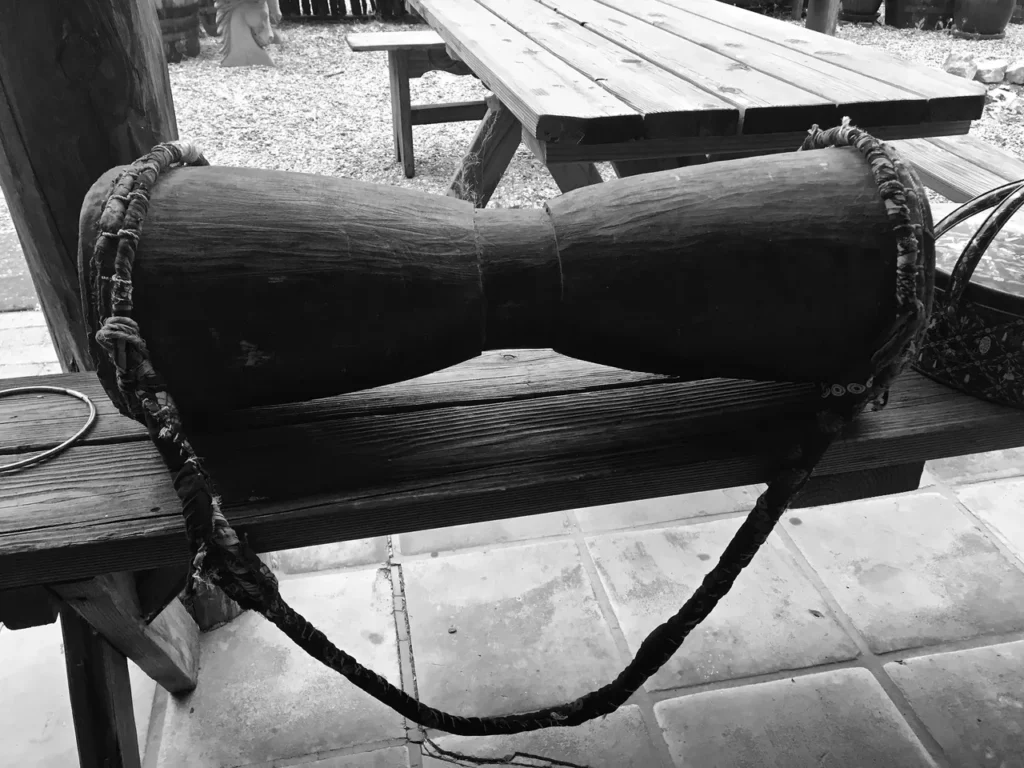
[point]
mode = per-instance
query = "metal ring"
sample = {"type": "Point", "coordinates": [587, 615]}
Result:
{"type": "Point", "coordinates": [67, 443]}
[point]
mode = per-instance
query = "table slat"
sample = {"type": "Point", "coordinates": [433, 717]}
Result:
{"type": "Point", "coordinates": [671, 106]}
{"type": "Point", "coordinates": [866, 100]}
{"type": "Point", "coordinates": [768, 104]}
{"type": "Point", "coordinates": [550, 98]}
{"type": "Point", "coordinates": [950, 98]}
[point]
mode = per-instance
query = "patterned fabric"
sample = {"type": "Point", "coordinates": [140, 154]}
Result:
{"type": "Point", "coordinates": [979, 351]}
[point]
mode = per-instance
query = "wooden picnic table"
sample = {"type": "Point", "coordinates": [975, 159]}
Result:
{"type": "Point", "coordinates": [667, 82]}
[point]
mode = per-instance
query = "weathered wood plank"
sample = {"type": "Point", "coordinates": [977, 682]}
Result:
{"type": "Point", "coordinates": [950, 99]}
{"type": "Point", "coordinates": [166, 649]}
{"type": "Point", "coordinates": [983, 155]}
{"type": "Point", "coordinates": [551, 99]}
{"type": "Point", "coordinates": [395, 41]}
{"type": "Point", "coordinates": [753, 144]}
{"type": "Point", "coordinates": [494, 144]}
{"type": "Point", "coordinates": [670, 105]}
{"type": "Point", "coordinates": [83, 87]}
{"type": "Point", "coordinates": [101, 697]}
{"type": "Point", "coordinates": [410, 470]}
{"type": "Point", "coordinates": [945, 172]}
{"type": "Point", "coordinates": [868, 101]}
{"type": "Point", "coordinates": [768, 105]}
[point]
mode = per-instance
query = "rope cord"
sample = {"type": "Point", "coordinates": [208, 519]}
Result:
{"type": "Point", "coordinates": [220, 556]}
{"type": "Point", "coordinates": [43, 389]}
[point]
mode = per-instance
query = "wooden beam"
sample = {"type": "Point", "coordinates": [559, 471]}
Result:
{"type": "Point", "coordinates": [823, 16]}
{"type": "Point", "coordinates": [570, 176]}
{"type": "Point", "coordinates": [493, 146]}
{"type": "Point", "coordinates": [83, 87]}
{"type": "Point", "coordinates": [27, 607]}
{"type": "Point", "coordinates": [167, 649]}
{"type": "Point", "coordinates": [454, 112]}
{"type": "Point", "coordinates": [865, 484]}
{"type": "Point", "coordinates": [101, 697]}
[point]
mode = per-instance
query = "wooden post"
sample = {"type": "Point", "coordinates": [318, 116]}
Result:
{"type": "Point", "coordinates": [823, 15]}
{"type": "Point", "coordinates": [83, 88]}
{"type": "Point", "coordinates": [101, 697]}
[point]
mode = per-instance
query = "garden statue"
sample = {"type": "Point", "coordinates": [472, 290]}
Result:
{"type": "Point", "coordinates": [246, 30]}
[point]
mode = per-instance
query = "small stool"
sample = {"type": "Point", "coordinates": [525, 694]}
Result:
{"type": "Point", "coordinates": [410, 55]}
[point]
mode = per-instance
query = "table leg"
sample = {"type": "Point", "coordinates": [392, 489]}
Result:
{"type": "Point", "coordinates": [401, 109]}
{"type": "Point", "coordinates": [493, 146]}
{"type": "Point", "coordinates": [570, 176]}
{"type": "Point", "coordinates": [101, 697]}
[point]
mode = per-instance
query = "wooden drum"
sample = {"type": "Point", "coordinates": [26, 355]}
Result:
{"type": "Point", "coordinates": [258, 287]}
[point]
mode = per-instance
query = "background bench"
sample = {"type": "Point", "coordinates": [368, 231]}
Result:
{"type": "Point", "coordinates": [411, 54]}
{"type": "Point", "coordinates": [960, 167]}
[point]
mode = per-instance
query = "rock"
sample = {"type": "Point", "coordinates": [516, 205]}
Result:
{"type": "Point", "coordinates": [958, 64]}
{"type": "Point", "coordinates": [991, 70]}
{"type": "Point", "coordinates": [1015, 73]}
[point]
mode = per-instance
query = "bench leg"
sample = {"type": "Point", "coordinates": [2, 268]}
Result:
{"type": "Point", "coordinates": [101, 697]}
{"type": "Point", "coordinates": [492, 149]}
{"type": "Point", "coordinates": [401, 109]}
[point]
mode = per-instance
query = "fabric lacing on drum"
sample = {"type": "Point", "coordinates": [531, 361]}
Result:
{"type": "Point", "coordinates": [220, 556]}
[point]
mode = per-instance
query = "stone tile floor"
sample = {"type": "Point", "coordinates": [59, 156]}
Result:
{"type": "Point", "coordinates": [887, 632]}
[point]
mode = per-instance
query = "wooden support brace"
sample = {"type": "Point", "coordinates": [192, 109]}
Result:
{"type": "Point", "coordinates": [823, 15]}
{"type": "Point", "coordinates": [101, 697]}
{"type": "Point", "coordinates": [864, 484]}
{"type": "Point", "coordinates": [401, 109]}
{"type": "Point", "coordinates": [166, 649]}
{"type": "Point", "coordinates": [493, 146]}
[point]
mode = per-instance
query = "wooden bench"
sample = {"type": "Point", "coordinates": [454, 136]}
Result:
{"type": "Point", "coordinates": [960, 167]}
{"type": "Point", "coordinates": [411, 55]}
{"type": "Point", "coordinates": [98, 532]}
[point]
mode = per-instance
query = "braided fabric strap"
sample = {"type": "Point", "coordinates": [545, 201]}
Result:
{"type": "Point", "coordinates": [223, 558]}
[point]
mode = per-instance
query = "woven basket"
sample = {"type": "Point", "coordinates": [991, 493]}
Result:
{"type": "Point", "coordinates": [975, 339]}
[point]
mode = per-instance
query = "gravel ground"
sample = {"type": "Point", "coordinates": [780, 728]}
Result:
{"type": "Point", "coordinates": [325, 110]}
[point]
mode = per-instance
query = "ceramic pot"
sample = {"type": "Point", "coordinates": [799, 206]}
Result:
{"type": "Point", "coordinates": [860, 10]}
{"type": "Point", "coordinates": [987, 18]}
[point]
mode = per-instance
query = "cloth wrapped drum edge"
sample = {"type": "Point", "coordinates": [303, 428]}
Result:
{"type": "Point", "coordinates": [258, 287]}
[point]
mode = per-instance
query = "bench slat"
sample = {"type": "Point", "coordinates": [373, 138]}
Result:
{"type": "Point", "coordinates": [450, 464]}
{"type": "Point", "coordinates": [960, 167]}
{"type": "Point", "coordinates": [423, 40]}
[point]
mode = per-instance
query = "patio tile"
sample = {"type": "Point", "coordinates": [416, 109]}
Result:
{"type": "Point", "coordinates": [773, 618]}
{"type": "Point", "coordinates": [393, 757]}
{"type": "Point", "coordinates": [836, 719]}
{"type": "Point", "coordinates": [668, 509]}
{"type": "Point", "coordinates": [477, 534]}
{"type": "Point", "coordinates": [324, 557]}
{"type": "Point", "coordinates": [619, 740]}
{"type": "Point", "coordinates": [971, 701]}
{"type": "Point", "coordinates": [999, 505]}
{"type": "Point", "coordinates": [978, 467]}
{"type": "Point", "coordinates": [261, 698]}
{"type": "Point", "coordinates": [36, 728]}
{"type": "Point", "coordinates": [911, 570]}
{"type": "Point", "coordinates": [506, 630]}
{"type": "Point", "coordinates": [22, 319]}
